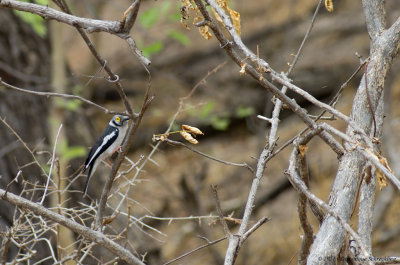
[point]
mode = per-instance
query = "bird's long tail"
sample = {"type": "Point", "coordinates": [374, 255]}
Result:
{"type": "Point", "coordinates": [87, 180]}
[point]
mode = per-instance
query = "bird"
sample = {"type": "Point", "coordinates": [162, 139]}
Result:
{"type": "Point", "coordinates": [107, 144]}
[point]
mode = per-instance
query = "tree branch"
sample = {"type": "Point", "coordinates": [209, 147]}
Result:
{"type": "Point", "coordinates": [177, 143]}
{"type": "Point", "coordinates": [302, 188]}
{"type": "Point", "coordinates": [84, 231]}
{"type": "Point", "coordinates": [374, 12]}
{"type": "Point", "coordinates": [53, 94]}
{"type": "Point", "coordinates": [331, 235]}
{"type": "Point", "coordinates": [98, 223]}
{"type": "Point", "coordinates": [46, 12]}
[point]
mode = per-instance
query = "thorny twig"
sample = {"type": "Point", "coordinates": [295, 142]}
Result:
{"type": "Point", "coordinates": [302, 188]}
{"type": "Point", "coordinates": [195, 250]}
{"type": "Point", "coordinates": [84, 231]}
{"type": "Point", "coordinates": [177, 143]}
{"type": "Point", "coordinates": [51, 164]}
{"type": "Point", "coordinates": [54, 94]}
{"type": "Point", "coordinates": [214, 189]}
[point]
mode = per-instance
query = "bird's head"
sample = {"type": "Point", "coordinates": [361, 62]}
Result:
{"type": "Point", "coordinates": [119, 120]}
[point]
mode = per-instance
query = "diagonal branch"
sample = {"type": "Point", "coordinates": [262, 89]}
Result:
{"type": "Point", "coordinates": [84, 231]}
{"type": "Point", "coordinates": [112, 77]}
{"type": "Point", "coordinates": [302, 188]}
{"type": "Point", "coordinates": [53, 94]}
{"type": "Point", "coordinates": [129, 17]}
{"type": "Point", "coordinates": [176, 143]}
{"type": "Point", "coordinates": [49, 13]}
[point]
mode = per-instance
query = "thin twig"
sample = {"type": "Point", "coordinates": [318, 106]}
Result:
{"type": "Point", "coordinates": [195, 250]}
{"type": "Point", "coordinates": [182, 100]}
{"type": "Point", "coordinates": [214, 189]}
{"type": "Point", "coordinates": [307, 238]}
{"type": "Point", "coordinates": [53, 94]}
{"type": "Point", "coordinates": [125, 146]}
{"type": "Point", "coordinates": [51, 164]}
{"type": "Point", "coordinates": [257, 225]}
{"type": "Point", "coordinates": [302, 188]}
{"type": "Point", "coordinates": [177, 143]}
{"type": "Point", "coordinates": [24, 144]}
{"type": "Point", "coordinates": [102, 62]}
{"type": "Point", "coordinates": [296, 58]}
{"type": "Point", "coordinates": [12, 181]}
{"type": "Point", "coordinates": [84, 231]}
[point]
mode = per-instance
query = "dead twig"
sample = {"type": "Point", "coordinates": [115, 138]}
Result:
{"type": "Point", "coordinates": [214, 189]}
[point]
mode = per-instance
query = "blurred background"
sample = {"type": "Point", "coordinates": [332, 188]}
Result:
{"type": "Point", "coordinates": [176, 182]}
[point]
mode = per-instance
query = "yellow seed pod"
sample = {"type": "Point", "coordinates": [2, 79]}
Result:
{"type": "Point", "coordinates": [329, 5]}
{"type": "Point", "coordinates": [188, 137]}
{"type": "Point", "coordinates": [192, 129]}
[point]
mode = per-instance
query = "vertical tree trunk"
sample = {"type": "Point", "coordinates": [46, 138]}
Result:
{"type": "Point", "coordinates": [65, 237]}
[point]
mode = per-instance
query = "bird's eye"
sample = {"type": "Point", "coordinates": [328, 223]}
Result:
{"type": "Point", "coordinates": [117, 119]}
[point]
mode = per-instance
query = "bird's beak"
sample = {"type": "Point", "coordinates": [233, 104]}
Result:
{"type": "Point", "coordinates": [125, 118]}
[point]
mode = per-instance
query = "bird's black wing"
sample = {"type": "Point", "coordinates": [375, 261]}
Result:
{"type": "Point", "coordinates": [107, 137]}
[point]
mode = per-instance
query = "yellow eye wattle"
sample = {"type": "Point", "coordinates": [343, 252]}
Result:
{"type": "Point", "coordinates": [117, 119]}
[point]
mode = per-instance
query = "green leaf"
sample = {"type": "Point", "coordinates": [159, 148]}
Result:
{"type": "Point", "coordinates": [165, 6]}
{"type": "Point", "coordinates": [70, 152]}
{"type": "Point", "coordinates": [73, 104]}
{"type": "Point", "coordinates": [176, 17]}
{"type": "Point", "coordinates": [207, 109]}
{"type": "Point", "coordinates": [220, 123]}
{"type": "Point", "coordinates": [36, 22]}
{"type": "Point", "coordinates": [179, 36]}
{"type": "Point", "coordinates": [243, 111]}
{"type": "Point", "coordinates": [77, 89]}
{"type": "Point", "coordinates": [74, 152]}
{"type": "Point", "coordinates": [152, 49]}
{"type": "Point", "coordinates": [41, 2]}
{"type": "Point", "coordinates": [149, 17]}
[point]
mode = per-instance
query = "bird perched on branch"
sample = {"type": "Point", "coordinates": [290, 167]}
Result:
{"type": "Point", "coordinates": [107, 144]}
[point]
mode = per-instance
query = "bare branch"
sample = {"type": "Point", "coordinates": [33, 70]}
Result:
{"type": "Point", "coordinates": [257, 225]}
{"type": "Point", "coordinates": [132, 45]}
{"type": "Point", "coordinates": [112, 76]}
{"type": "Point", "coordinates": [214, 189]}
{"type": "Point", "coordinates": [374, 12]}
{"type": "Point", "coordinates": [86, 232]}
{"type": "Point", "coordinates": [263, 81]}
{"type": "Point", "coordinates": [129, 16]}
{"type": "Point", "coordinates": [195, 250]}
{"type": "Point", "coordinates": [177, 143]}
{"type": "Point", "coordinates": [296, 58]}
{"type": "Point", "coordinates": [49, 13]}
{"type": "Point", "coordinates": [53, 94]}
{"type": "Point", "coordinates": [308, 237]}
{"type": "Point", "coordinates": [3, 120]}
{"type": "Point", "coordinates": [237, 240]}
{"type": "Point", "coordinates": [301, 187]}
{"type": "Point", "coordinates": [51, 164]}
{"type": "Point", "coordinates": [125, 147]}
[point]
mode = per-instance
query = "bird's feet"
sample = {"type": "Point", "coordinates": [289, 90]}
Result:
{"type": "Point", "coordinates": [118, 149]}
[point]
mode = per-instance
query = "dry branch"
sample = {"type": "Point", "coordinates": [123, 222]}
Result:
{"type": "Point", "coordinates": [84, 231]}
{"type": "Point", "coordinates": [46, 12]}
{"type": "Point", "coordinates": [384, 45]}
